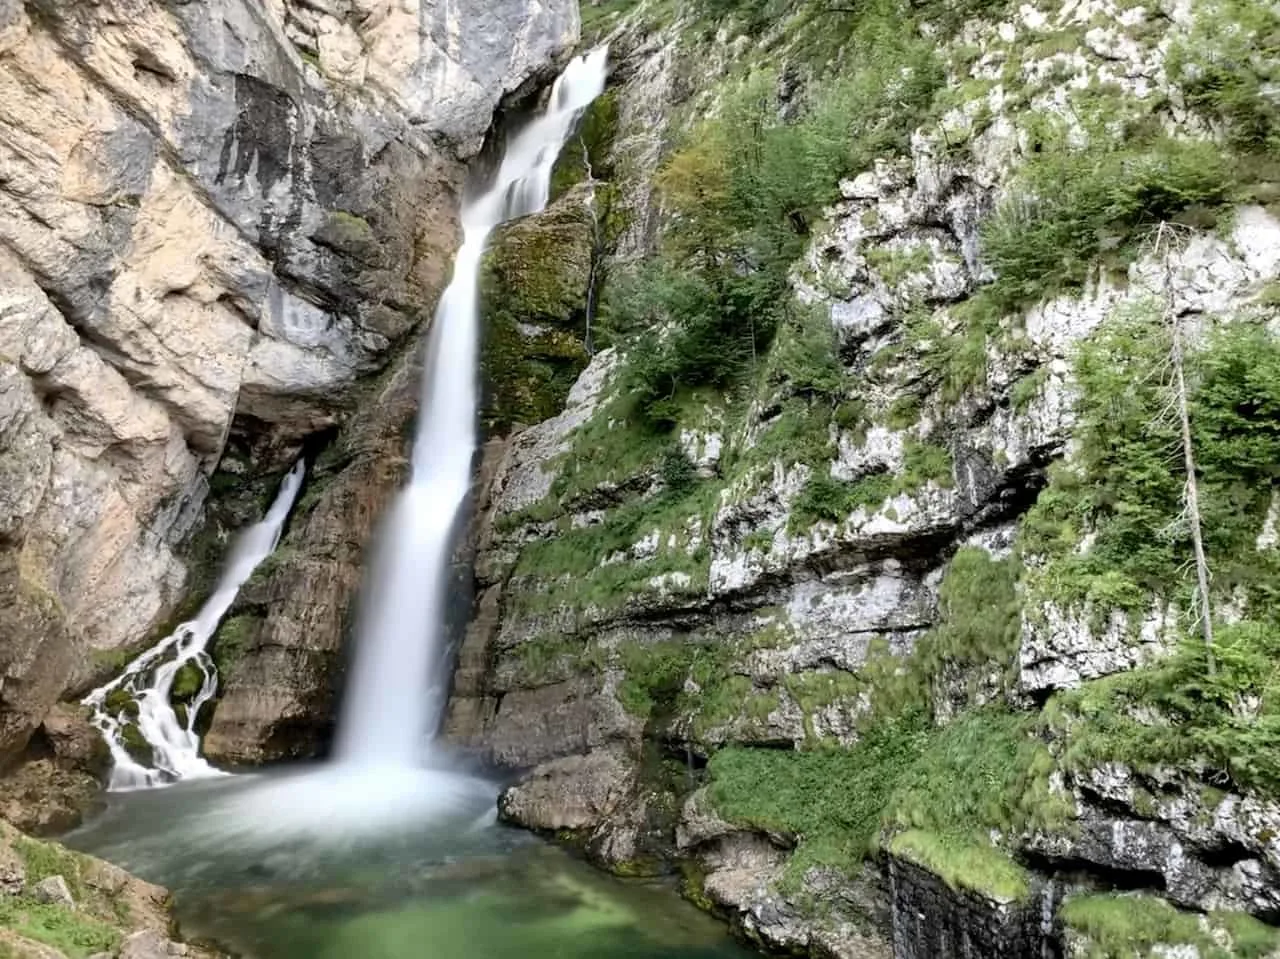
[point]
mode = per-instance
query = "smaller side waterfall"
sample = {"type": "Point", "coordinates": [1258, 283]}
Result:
{"type": "Point", "coordinates": [139, 698]}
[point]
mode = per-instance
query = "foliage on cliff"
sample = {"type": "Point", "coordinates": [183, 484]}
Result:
{"type": "Point", "coordinates": [826, 426]}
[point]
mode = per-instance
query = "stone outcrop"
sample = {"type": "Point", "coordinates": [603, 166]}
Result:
{"type": "Point", "coordinates": [930, 919]}
{"type": "Point", "coordinates": [82, 900]}
{"type": "Point", "coordinates": [219, 220]}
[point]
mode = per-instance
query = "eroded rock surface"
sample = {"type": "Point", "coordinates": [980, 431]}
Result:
{"type": "Point", "coordinates": [219, 220]}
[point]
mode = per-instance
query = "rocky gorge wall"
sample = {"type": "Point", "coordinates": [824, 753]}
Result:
{"type": "Point", "coordinates": [882, 636]}
{"type": "Point", "coordinates": [222, 225]}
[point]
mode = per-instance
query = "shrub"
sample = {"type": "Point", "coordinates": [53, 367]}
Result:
{"type": "Point", "coordinates": [1227, 68]}
{"type": "Point", "coordinates": [1076, 206]}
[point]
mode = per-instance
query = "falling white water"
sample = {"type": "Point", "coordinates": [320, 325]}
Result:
{"type": "Point", "coordinates": [396, 690]}
{"type": "Point", "coordinates": [148, 680]}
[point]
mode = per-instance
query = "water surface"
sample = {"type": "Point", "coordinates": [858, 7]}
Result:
{"type": "Point", "coordinates": [279, 867]}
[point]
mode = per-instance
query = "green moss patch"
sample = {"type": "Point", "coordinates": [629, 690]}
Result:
{"type": "Point", "coordinates": [985, 771]}
{"type": "Point", "coordinates": [963, 865]}
{"type": "Point", "coordinates": [1133, 925]}
{"type": "Point", "coordinates": [231, 642]}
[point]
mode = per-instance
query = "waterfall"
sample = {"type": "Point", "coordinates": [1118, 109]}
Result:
{"type": "Point", "coordinates": [140, 696]}
{"type": "Point", "coordinates": [398, 682]}
{"type": "Point", "coordinates": [396, 689]}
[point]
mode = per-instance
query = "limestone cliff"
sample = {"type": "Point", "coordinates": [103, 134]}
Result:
{"type": "Point", "coordinates": [855, 571]}
{"type": "Point", "coordinates": [221, 221]}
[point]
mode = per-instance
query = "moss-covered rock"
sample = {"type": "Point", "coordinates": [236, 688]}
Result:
{"type": "Point", "coordinates": [537, 268]}
{"type": "Point", "coordinates": [186, 682]}
{"type": "Point", "coordinates": [588, 154]}
{"type": "Point", "coordinates": [535, 288]}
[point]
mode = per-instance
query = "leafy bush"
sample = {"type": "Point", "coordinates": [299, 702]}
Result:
{"type": "Point", "coordinates": [677, 472]}
{"type": "Point", "coordinates": [1177, 713]}
{"type": "Point", "coordinates": [827, 499]}
{"type": "Point", "coordinates": [1125, 485]}
{"type": "Point", "coordinates": [1076, 206]}
{"type": "Point", "coordinates": [1228, 69]}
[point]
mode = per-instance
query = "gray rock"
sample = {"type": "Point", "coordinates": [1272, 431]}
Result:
{"type": "Point", "coordinates": [204, 235]}
{"type": "Point", "coordinates": [54, 889]}
{"type": "Point", "coordinates": [13, 872]}
{"type": "Point", "coordinates": [148, 944]}
{"type": "Point", "coordinates": [575, 792]}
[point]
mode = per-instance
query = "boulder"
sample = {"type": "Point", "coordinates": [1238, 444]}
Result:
{"type": "Point", "coordinates": [54, 890]}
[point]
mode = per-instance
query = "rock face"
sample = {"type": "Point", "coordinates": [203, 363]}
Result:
{"type": "Point", "coordinates": [218, 221]}
{"type": "Point", "coordinates": [930, 919]}
{"type": "Point", "coordinates": [767, 567]}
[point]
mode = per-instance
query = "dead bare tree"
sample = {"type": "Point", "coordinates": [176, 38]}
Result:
{"type": "Point", "coordinates": [1167, 240]}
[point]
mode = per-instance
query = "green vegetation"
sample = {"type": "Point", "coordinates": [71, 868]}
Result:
{"type": "Point", "coordinates": [186, 682]}
{"type": "Point", "coordinates": [74, 934]}
{"type": "Point", "coordinates": [45, 859]}
{"type": "Point", "coordinates": [231, 641]}
{"type": "Point", "coordinates": [746, 189]}
{"type": "Point", "coordinates": [1131, 925]}
{"type": "Point", "coordinates": [551, 656]}
{"type": "Point", "coordinates": [980, 620]}
{"type": "Point", "coordinates": [575, 559]}
{"type": "Point", "coordinates": [587, 152]}
{"type": "Point", "coordinates": [1076, 208]}
{"type": "Point", "coordinates": [1228, 69]}
{"type": "Point", "coordinates": [534, 289]}
{"type": "Point", "coordinates": [948, 787]}
{"type": "Point", "coordinates": [1124, 491]}
{"type": "Point", "coordinates": [825, 498]}
{"type": "Point", "coordinates": [1176, 713]}
{"type": "Point", "coordinates": [1125, 486]}
{"type": "Point", "coordinates": [963, 865]}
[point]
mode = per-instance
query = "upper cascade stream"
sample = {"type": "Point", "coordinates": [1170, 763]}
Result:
{"type": "Point", "coordinates": [145, 686]}
{"type": "Point", "coordinates": [398, 682]}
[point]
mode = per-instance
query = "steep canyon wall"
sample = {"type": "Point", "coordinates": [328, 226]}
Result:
{"type": "Point", "coordinates": [221, 223]}
{"type": "Point", "coordinates": [898, 604]}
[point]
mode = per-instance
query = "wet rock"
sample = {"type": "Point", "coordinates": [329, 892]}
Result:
{"type": "Point", "coordinates": [207, 240]}
{"type": "Point", "coordinates": [931, 919]}
{"type": "Point", "coordinates": [574, 792]}
{"type": "Point", "coordinates": [150, 944]}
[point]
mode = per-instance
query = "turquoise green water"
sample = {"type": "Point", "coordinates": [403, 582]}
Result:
{"type": "Point", "coordinates": [434, 888]}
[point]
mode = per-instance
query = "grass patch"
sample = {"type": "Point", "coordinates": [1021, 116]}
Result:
{"type": "Point", "coordinates": [45, 859]}
{"type": "Point", "coordinates": [1133, 925]}
{"type": "Point", "coordinates": [963, 865]}
{"type": "Point", "coordinates": [74, 934]}
{"type": "Point", "coordinates": [985, 771]}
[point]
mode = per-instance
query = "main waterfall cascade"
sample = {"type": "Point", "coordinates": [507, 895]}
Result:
{"type": "Point", "coordinates": [387, 713]}
{"type": "Point", "coordinates": [147, 682]}
{"type": "Point", "coordinates": [383, 775]}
